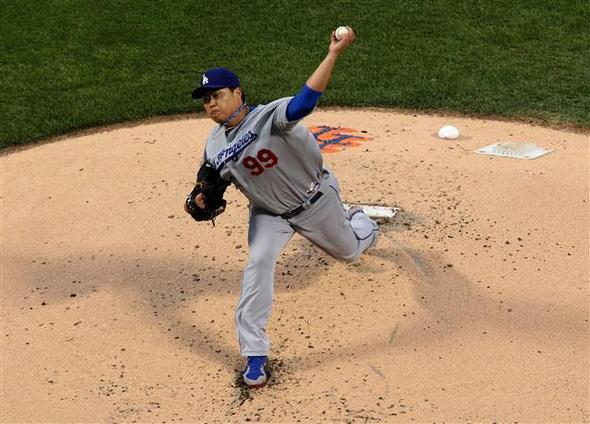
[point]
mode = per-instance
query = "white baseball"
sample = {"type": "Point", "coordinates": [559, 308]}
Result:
{"type": "Point", "coordinates": [448, 132]}
{"type": "Point", "coordinates": [341, 31]}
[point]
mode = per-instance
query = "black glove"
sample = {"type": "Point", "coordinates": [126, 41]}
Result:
{"type": "Point", "coordinates": [212, 187]}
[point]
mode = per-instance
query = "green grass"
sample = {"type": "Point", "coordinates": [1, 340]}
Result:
{"type": "Point", "coordinates": [69, 64]}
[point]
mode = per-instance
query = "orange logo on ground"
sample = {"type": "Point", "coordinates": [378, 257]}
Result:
{"type": "Point", "coordinates": [336, 139]}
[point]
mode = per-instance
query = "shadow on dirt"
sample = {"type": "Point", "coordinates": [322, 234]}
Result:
{"type": "Point", "coordinates": [450, 304]}
{"type": "Point", "coordinates": [163, 287]}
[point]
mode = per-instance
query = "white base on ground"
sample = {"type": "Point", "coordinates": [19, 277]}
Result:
{"type": "Point", "coordinates": [385, 213]}
{"type": "Point", "coordinates": [514, 150]}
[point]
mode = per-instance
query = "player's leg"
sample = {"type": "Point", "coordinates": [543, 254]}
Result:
{"type": "Point", "coordinates": [343, 235]}
{"type": "Point", "coordinates": [267, 236]}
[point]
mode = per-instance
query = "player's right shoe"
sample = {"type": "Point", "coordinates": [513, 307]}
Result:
{"type": "Point", "coordinates": [254, 375]}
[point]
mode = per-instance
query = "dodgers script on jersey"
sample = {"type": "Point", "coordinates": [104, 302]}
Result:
{"type": "Point", "coordinates": [277, 164]}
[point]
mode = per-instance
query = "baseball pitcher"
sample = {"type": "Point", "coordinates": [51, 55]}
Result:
{"type": "Point", "coordinates": [276, 163]}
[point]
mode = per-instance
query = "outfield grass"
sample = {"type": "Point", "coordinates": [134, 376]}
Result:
{"type": "Point", "coordinates": [69, 64]}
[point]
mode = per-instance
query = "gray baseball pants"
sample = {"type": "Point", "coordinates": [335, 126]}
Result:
{"type": "Point", "coordinates": [325, 223]}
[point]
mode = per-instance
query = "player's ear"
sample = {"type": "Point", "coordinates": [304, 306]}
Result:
{"type": "Point", "coordinates": [237, 92]}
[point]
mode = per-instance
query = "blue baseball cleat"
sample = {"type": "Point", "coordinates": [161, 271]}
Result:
{"type": "Point", "coordinates": [254, 375]}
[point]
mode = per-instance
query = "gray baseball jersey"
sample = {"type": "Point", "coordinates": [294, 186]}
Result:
{"type": "Point", "coordinates": [277, 164]}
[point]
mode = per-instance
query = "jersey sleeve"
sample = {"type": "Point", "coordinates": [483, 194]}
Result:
{"type": "Point", "coordinates": [207, 142]}
{"type": "Point", "coordinates": [291, 110]}
{"type": "Point", "coordinates": [209, 137]}
{"type": "Point", "coordinates": [303, 103]}
{"type": "Point", "coordinates": [279, 119]}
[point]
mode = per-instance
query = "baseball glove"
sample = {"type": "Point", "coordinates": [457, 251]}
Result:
{"type": "Point", "coordinates": [212, 187]}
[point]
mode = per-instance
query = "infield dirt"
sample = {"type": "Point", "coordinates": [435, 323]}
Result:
{"type": "Point", "coordinates": [117, 307]}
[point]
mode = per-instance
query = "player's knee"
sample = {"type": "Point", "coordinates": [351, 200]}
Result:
{"type": "Point", "coordinates": [351, 257]}
{"type": "Point", "coordinates": [348, 256]}
{"type": "Point", "coordinates": [261, 260]}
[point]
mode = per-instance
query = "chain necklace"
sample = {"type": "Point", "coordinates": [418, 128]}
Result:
{"type": "Point", "coordinates": [233, 116]}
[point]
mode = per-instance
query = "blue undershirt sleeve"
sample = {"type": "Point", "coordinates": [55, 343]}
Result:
{"type": "Point", "coordinates": [302, 104]}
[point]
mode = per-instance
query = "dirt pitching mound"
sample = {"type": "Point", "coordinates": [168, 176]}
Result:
{"type": "Point", "coordinates": [116, 306]}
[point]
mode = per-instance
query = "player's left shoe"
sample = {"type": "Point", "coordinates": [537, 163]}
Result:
{"type": "Point", "coordinates": [255, 375]}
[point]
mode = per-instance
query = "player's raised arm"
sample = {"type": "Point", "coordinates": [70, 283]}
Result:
{"type": "Point", "coordinates": [306, 100]}
{"type": "Point", "coordinates": [318, 81]}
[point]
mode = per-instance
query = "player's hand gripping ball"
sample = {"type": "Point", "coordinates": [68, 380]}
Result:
{"type": "Point", "coordinates": [340, 32]}
{"type": "Point", "coordinates": [339, 45]}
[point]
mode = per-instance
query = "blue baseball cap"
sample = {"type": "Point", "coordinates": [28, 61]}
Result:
{"type": "Point", "coordinates": [214, 79]}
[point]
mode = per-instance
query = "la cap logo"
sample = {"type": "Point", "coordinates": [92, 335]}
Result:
{"type": "Point", "coordinates": [205, 80]}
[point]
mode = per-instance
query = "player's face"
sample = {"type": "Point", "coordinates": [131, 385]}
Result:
{"type": "Point", "coordinates": [220, 104]}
